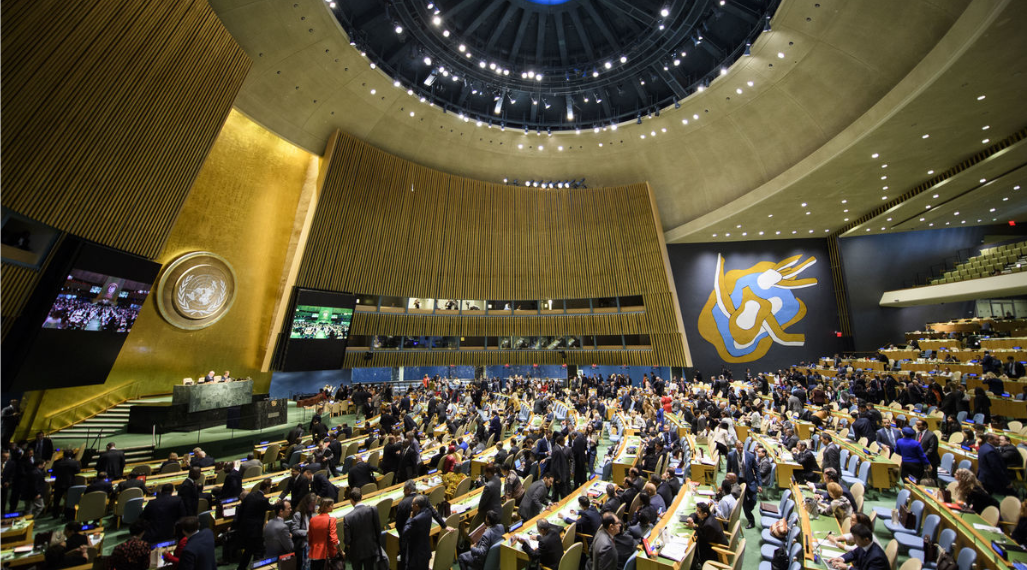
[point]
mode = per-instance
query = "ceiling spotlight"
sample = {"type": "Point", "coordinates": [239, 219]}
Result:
{"type": "Point", "coordinates": [395, 83]}
{"type": "Point", "coordinates": [481, 64]}
{"type": "Point", "coordinates": [623, 59]}
{"type": "Point", "coordinates": [665, 12]}
{"type": "Point", "coordinates": [427, 60]}
{"type": "Point", "coordinates": [462, 48]}
{"type": "Point", "coordinates": [608, 65]}
{"type": "Point", "coordinates": [399, 29]}
{"type": "Point", "coordinates": [437, 21]}
{"type": "Point", "coordinates": [445, 33]}
{"type": "Point", "coordinates": [595, 73]}
{"type": "Point", "coordinates": [780, 55]}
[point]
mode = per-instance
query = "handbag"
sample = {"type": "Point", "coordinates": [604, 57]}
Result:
{"type": "Point", "coordinates": [383, 560]}
{"type": "Point", "coordinates": [337, 562]}
{"type": "Point", "coordinates": [930, 551]}
{"type": "Point", "coordinates": [906, 518]}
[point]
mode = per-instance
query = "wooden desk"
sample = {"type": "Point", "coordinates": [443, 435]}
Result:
{"type": "Point", "coordinates": [512, 556]}
{"type": "Point", "coordinates": [683, 505]}
{"type": "Point", "coordinates": [626, 457]}
{"type": "Point", "coordinates": [786, 466]}
{"type": "Point", "coordinates": [17, 530]}
{"type": "Point", "coordinates": [815, 555]}
{"type": "Point", "coordinates": [967, 533]}
{"type": "Point", "coordinates": [466, 506]}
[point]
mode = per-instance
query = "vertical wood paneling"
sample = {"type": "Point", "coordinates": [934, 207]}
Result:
{"type": "Point", "coordinates": [386, 226]}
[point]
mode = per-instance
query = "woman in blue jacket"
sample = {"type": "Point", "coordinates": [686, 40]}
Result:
{"type": "Point", "coordinates": [914, 460]}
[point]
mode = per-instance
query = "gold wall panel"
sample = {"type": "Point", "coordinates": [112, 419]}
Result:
{"type": "Point", "coordinates": [109, 109]}
{"type": "Point", "coordinates": [386, 226]}
{"type": "Point", "coordinates": [241, 207]}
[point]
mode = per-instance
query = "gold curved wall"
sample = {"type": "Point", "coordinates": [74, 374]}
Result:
{"type": "Point", "coordinates": [387, 226]}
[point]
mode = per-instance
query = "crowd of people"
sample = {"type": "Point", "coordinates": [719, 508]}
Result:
{"type": "Point", "coordinates": [73, 313]}
{"type": "Point", "coordinates": [559, 457]}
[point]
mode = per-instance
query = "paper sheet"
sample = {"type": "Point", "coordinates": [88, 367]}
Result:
{"type": "Point", "coordinates": [988, 528]}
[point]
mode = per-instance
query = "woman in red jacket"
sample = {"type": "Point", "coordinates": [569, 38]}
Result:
{"type": "Point", "coordinates": [322, 536]}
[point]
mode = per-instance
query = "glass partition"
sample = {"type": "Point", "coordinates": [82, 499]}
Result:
{"type": "Point", "coordinates": [473, 306]}
{"type": "Point", "coordinates": [605, 305]}
{"type": "Point", "coordinates": [418, 305]}
{"type": "Point", "coordinates": [551, 306]}
{"type": "Point", "coordinates": [447, 306]}
{"type": "Point", "coordinates": [500, 307]}
{"type": "Point", "coordinates": [578, 306]}
{"type": "Point", "coordinates": [631, 303]}
{"type": "Point", "coordinates": [393, 304]}
{"type": "Point", "coordinates": [367, 303]}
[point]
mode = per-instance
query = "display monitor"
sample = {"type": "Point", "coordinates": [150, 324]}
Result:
{"type": "Point", "coordinates": [316, 335]}
{"type": "Point", "coordinates": [78, 318]}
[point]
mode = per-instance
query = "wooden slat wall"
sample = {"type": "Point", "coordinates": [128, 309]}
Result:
{"type": "Point", "coordinates": [390, 227]}
{"type": "Point", "coordinates": [110, 108]}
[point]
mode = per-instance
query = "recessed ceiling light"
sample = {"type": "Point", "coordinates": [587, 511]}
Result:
{"type": "Point", "coordinates": [520, 146]}
{"type": "Point", "coordinates": [963, 222]}
{"type": "Point", "coordinates": [884, 178]}
{"type": "Point", "coordinates": [926, 137]}
{"type": "Point", "coordinates": [777, 233]}
{"type": "Point", "coordinates": [875, 155]}
{"type": "Point", "coordinates": [808, 213]}
{"type": "Point", "coordinates": [745, 234]}
{"type": "Point", "coordinates": [826, 231]}
{"type": "Point", "coordinates": [922, 219]}
{"type": "Point", "coordinates": [437, 21]}
{"type": "Point", "coordinates": [955, 214]}
{"type": "Point", "coordinates": [980, 98]}
{"type": "Point", "coordinates": [714, 235]}
{"type": "Point", "coordinates": [928, 206]}
{"type": "Point", "coordinates": [665, 12]}
{"type": "Point", "coordinates": [739, 90]}
{"type": "Point", "coordinates": [770, 215]}
{"type": "Point", "coordinates": [845, 211]}
{"type": "Point", "coordinates": [930, 172]}
{"type": "Point", "coordinates": [739, 226]}
{"type": "Point", "coordinates": [411, 113]}
{"type": "Point", "coordinates": [727, 234]}
{"type": "Point", "coordinates": [935, 195]}
{"type": "Point", "coordinates": [884, 166]}
{"type": "Point", "coordinates": [749, 83]}
{"type": "Point", "coordinates": [985, 141]}
{"type": "Point", "coordinates": [985, 127]}
{"type": "Point", "coordinates": [1017, 187]}
{"type": "Point", "coordinates": [888, 220]}
{"type": "Point", "coordinates": [780, 55]}
{"type": "Point", "coordinates": [884, 187]}
{"type": "Point", "coordinates": [931, 224]}
{"type": "Point", "coordinates": [793, 232]}
{"type": "Point", "coordinates": [884, 197]}
{"type": "Point", "coordinates": [761, 233]}
{"type": "Point", "coordinates": [804, 204]}
{"type": "Point", "coordinates": [845, 220]}
{"type": "Point", "coordinates": [992, 210]}
{"type": "Point", "coordinates": [559, 148]}
{"type": "Point", "coordinates": [845, 201]}
{"type": "Point", "coordinates": [1005, 199]}
{"type": "Point", "coordinates": [983, 180]}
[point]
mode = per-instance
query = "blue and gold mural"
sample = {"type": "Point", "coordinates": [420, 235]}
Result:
{"type": "Point", "coordinates": [749, 310]}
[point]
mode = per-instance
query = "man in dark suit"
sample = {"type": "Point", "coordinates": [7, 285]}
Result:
{"type": "Point", "coordinates": [299, 484]}
{"type": "Point", "coordinates": [888, 436]}
{"type": "Point", "coordinates": [361, 473]}
{"type": "Point", "coordinates": [323, 488]}
{"type": "Point", "coordinates": [474, 559]}
{"type": "Point", "coordinates": [162, 513]}
{"type": "Point", "coordinates": [362, 531]}
{"type": "Point", "coordinates": [579, 451]}
{"type": "Point", "coordinates": [249, 522]}
{"type": "Point", "coordinates": [133, 480]}
{"type": "Point", "coordinates": [734, 458]}
{"type": "Point", "coordinates": [863, 427]}
{"type": "Point", "coordinates": [612, 500]}
{"type": "Point", "coordinates": [867, 556]}
{"type": "Point", "coordinates": [294, 435]}
{"type": "Point", "coordinates": [542, 447]}
{"type": "Point", "coordinates": [335, 447]}
{"type": "Point", "coordinates": [1014, 369]}
{"type": "Point", "coordinates": [550, 547]}
{"type": "Point", "coordinates": [750, 475]}
{"type": "Point", "coordinates": [929, 442]}
{"type": "Point", "coordinates": [536, 497]}
{"type": "Point", "coordinates": [991, 469]}
{"type": "Point", "coordinates": [589, 519]}
{"type": "Point", "coordinates": [560, 467]}
{"type": "Point", "coordinates": [64, 471]}
{"type": "Point", "coordinates": [198, 553]}
{"type": "Point", "coordinates": [492, 495]}
{"type": "Point", "coordinates": [100, 483]}
{"type": "Point", "coordinates": [604, 551]}
{"type": "Point", "coordinates": [416, 535]}
{"type": "Point", "coordinates": [232, 486]}
{"type": "Point", "coordinates": [201, 459]}
{"type": "Point", "coordinates": [990, 364]}
{"type": "Point", "coordinates": [43, 447]}
{"type": "Point", "coordinates": [496, 426]}
{"type": "Point", "coordinates": [189, 490]}
{"type": "Point", "coordinates": [832, 453]}
{"type": "Point", "coordinates": [34, 487]}
{"type": "Point", "coordinates": [404, 510]}
{"type": "Point", "coordinates": [111, 462]}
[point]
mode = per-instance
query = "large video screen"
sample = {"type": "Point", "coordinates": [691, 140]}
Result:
{"type": "Point", "coordinates": [312, 322]}
{"type": "Point", "coordinates": [317, 335]}
{"type": "Point", "coordinates": [90, 301]}
{"type": "Point", "coordinates": [77, 320]}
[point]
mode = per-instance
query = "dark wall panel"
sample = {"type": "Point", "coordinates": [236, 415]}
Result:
{"type": "Point", "coordinates": [811, 309]}
{"type": "Point", "coordinates": [875, 264]}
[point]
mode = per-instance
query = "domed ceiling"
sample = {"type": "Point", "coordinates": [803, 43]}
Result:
{"type": "Point", "coordinates": [553, 64]}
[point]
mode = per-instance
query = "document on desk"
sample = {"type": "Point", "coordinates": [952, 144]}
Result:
{"type": "Point", "coordinates": [674, 550]}
{"type": "Point", "coordinates": [987, 527]}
